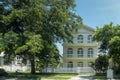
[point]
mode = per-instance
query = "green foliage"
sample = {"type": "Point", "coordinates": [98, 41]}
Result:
{"type": "Point", "coordinates": [101, 64]}
{"type": "Point", "coordinates": [103, 35]}
{"type": "Point", "coordinates": [3, 72]}
{"type": "Point", "coordinates": [36, 25]}
{"type": "Point", "coordinates": [114, 50]}
{"type": "Point", "coordinates": [109, 37]}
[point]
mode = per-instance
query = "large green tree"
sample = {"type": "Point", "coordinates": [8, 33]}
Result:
{"type": "Point", "coordinates": [101, 64]}
{"type": "Point", "coordinates": [103, 35]}
{"type": "Point", "coordinates": [39, 24]}
{"type": "Point", "coordinates": [109, 38]}
{"type": "Point", "coordinates": [114, 49]}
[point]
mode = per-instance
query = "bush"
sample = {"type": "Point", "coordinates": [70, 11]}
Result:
{"type": "Point", "coordinates": [3, 72]}
{"type": "Point", "coordinates": [101, 74]}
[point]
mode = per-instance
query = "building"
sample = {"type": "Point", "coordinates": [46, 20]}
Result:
{"type": "Point", "coordinates": [15, 65]}
{"type": "Point", "coordinates": [78, 55]}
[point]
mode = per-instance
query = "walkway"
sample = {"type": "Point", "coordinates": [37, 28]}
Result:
{"type": "Point", "coordinates": [82, 77]}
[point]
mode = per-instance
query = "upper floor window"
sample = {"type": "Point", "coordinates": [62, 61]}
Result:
{"type": "Point", "coordinates": [90, 52]}
{"type": "Point", "coordinates": [69, 52]}
{"type": "Point", "coordinates": [80, 38]}
{"type": "Point", "coordinates": [18, 57]}
{"type": "Point", "coordinates": [89, 38]}
{"type": "Point", "coordinates": [70, 65]}
{"type": "Point", "coordinates": [80, 64]}
{"type": "Point", "coordinates": [80, 52]}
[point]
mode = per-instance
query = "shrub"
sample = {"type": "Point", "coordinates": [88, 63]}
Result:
{"type": "Point", "coordinates": [3, 72]}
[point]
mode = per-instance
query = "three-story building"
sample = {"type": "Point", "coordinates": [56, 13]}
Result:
{"type": "Point", "coordinates": [78, 55]}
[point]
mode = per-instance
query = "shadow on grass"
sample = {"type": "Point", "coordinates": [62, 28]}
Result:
{"type": "Point", "coordinates": [37, 76]}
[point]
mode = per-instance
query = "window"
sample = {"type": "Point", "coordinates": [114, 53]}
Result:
{"type": "Point", "coordinates": [18, 57]}
{"type": "Point", "coordinates": [69, 52]}
{"type": "Point", "coordinates": [90, 52]}
{"type": "Point", "coordinates": [80, 64]}
{"type": "Point", "coordinates": [80, 52]}
{"type": "Point", "coordinates": [80, 38]}
{"type": "Point", "coordinates": [70, 65]}
{"type": "Point", "coordinates": [89, 38]}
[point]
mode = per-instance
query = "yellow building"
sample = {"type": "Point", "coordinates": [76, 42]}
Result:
{"type": "Point", "coordinates": [78, 56]}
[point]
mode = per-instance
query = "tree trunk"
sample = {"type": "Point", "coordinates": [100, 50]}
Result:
{"type": "Point", "coordinates": [32, 66]}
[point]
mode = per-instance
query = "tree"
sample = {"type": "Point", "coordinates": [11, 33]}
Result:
{"type": "Point", "coordinates": [109, 38]}
{"type": "Point", "coordinates": [103, 35]}
{"type": "Point", "coordinates": [114, 49]}
{"type": "Point", "coordinates": [50, 21]}
{"type": "Point", "coordinates": [101, 64]}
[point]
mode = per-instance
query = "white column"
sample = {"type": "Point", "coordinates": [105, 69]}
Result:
{"type": "Point", "coordinates": [85, 52]}
{"type": "Point", "coordinates": [75, 52]}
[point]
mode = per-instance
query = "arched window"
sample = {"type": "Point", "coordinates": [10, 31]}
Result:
{"type": "Point", "coordinates": [80, 38]}
{"type": "Point", "coordinates": [69, 52]}
{"type": "Point", "coordinates": [89, 38]}
{"type": "Point", "coordinates": [90, 52]}
{"type": "Point", "coordinates": [70, 64]}
{"type": "Point", "coordinates": [80, 64]}
{"type": "Point", "coordinates": [80, 52]}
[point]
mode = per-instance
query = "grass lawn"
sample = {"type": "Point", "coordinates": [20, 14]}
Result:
{"type": "Point", "coordinates": [38, 76]}
{"type": "Point", "coordinates": [58, 76]}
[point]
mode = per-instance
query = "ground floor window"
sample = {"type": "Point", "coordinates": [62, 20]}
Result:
{"type": "Point", "coordinates": [70, 65]}
{"type": "Point", "coordinates": [80, 64]}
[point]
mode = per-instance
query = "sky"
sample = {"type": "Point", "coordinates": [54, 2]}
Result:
{"type": "Point", "coordinates": [97, 13]}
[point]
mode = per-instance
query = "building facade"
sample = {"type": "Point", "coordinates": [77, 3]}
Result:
{"type": "Point", "coordinates": [15, 65]}
{"type": "Point", "coordinates": [78, 55]}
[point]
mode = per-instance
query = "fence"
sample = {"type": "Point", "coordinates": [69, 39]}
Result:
{"type": "Point", "coordinates": [51, 70]}
{"type": "Point", "coordinates": [75, 70]}
{"type": "Point", "coordinates": [15, 68]}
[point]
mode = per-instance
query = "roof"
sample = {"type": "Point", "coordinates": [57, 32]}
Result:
{"type": "Point", "coordinates": [90, 28]}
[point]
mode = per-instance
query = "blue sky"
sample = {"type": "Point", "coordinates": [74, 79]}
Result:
{"type": "Point", "coordinates": [97, 13]}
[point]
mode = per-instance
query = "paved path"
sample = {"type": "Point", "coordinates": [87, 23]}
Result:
{"type": "Point", "coordinates": [82, 77]}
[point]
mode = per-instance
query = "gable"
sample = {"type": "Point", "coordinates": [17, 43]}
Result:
{"type": "Point", "coordinates": [85, 29]}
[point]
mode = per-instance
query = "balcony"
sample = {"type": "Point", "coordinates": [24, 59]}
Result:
{"type": "Point", "coordinates": [80, 44]}
{"type": "Point", "coordinates": [75, 56]}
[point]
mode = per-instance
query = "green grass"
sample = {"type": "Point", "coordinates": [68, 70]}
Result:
{"type": "Point", "coordinates": [58, 76]}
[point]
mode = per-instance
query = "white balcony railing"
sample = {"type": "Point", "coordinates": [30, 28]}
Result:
{"type": "Point", "coordinates": [80, 44]}
{"type": "Point", "coordinates": [78, 56]}
{"type": "Point", "coordinates": [75, 70]}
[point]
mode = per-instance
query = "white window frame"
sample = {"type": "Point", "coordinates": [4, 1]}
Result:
{"type": "Point", "coordinates": [89, 39]}
{"type": "Point", "coordinates": [80, 64]}
{"type": "Point", "coordinates": [80, 38]}
{"type": "Point", "coordinates": [70, 64]}
{"type": "Point", "coordinates": [80, 52]}
{"type": "Point", "coordinates": [69, 52]}
{"type": "Point", "coordinates": [90, 53]}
